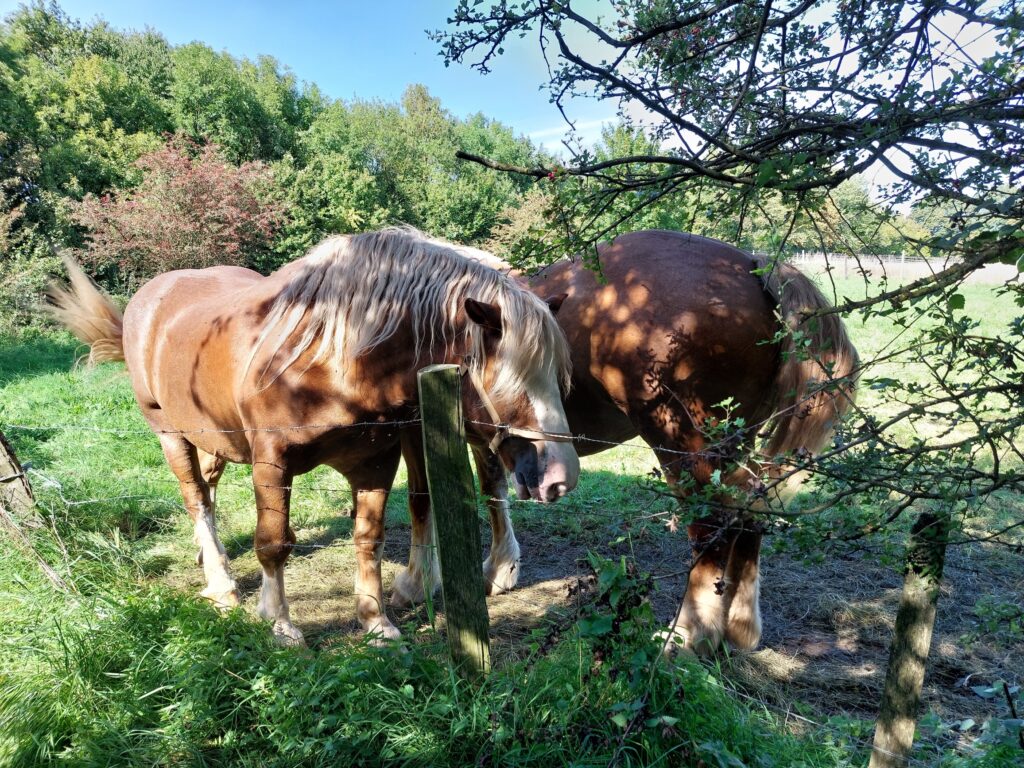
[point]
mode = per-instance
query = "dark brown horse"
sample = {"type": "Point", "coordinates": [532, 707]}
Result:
{"type": "Point", "coordinates": [676, 325]}
{"type": "Point", "coordinates": [317, 364]}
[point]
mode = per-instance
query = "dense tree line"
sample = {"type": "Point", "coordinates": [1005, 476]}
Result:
{"type": "Point", "coordinates": [100, 129]}
{"type": "Point", "coordinates": [845, 219]}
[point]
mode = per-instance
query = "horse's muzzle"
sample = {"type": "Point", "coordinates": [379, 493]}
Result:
{"type": "Point", "coordinates": [543, 471]}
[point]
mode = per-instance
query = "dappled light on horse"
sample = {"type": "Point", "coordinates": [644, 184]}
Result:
{"type": "Point", "coordinates": [681, 336]}
{"type": "Point", "coordinates": [681, 340]}
{"type": "Point", "coordinates": [316, 365]}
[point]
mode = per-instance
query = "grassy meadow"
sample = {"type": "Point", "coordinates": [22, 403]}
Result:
{"type": "Point", "coordinates": [128, 667]}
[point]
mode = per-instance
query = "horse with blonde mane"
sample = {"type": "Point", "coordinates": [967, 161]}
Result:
{"type": "Point", "coordinates": [316, 365]}
{"type": "Point", "coordinates": [674, 326]}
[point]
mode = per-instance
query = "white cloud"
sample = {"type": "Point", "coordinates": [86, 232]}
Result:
{"type": "Point", "coordinates": [587, 132]}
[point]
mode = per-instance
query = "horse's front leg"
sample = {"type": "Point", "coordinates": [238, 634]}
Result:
{"type": "Point", "coordinates": [700, 624]}
{"type": "Point", "coordinates": [703, 615]}
{"type": "Point", "coordinates": [743, 590]}
{"type": "Point", "coordinates": [273, 543]}
{"type": "Point", "coordinates": [501, 568]}
{"type": "Point", "coordinates": [371, 484]}
{"type": "Point", "coordinates": [423, 576]}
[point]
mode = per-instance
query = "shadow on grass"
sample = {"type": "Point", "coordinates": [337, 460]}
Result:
{"type": "Point", "coordinates": [334, 530]}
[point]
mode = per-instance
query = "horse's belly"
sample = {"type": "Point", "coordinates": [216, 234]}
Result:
{"type": "Point", "coordinates": [596, 419]}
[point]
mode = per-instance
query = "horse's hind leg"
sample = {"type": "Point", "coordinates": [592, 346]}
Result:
{"type": "Point", "coordinates": [273, 543]}
{"type": "Point", "coordinates": [184, 461]}
{"type": "Point", "coordinates": [423, 575]}
{"type": "Point", "coordinates": [501, 568]}
{"type": "Point", "coordinates": [743, 591]}
{"type": "Point", "coordinates": [211, 467]}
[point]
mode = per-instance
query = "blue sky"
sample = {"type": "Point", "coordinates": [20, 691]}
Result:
{"type": "Point", "coordinates": [358, 49]}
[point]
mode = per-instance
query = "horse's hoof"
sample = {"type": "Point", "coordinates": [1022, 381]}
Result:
{"type": "Point", "coordinates": [744, 634]}
{"type": "Point", "coordinates": [407, 591]}
{"type": "Point", "coordinates": [287, 634]}
{"type": "Point", "coordinates": [674, 642]}
{"type": "Point", "coordinates": [382, 633]}
{"type": "Point", "coordinates": [501, 578]}
{"type": "Point", "coordinates": [222, 599]}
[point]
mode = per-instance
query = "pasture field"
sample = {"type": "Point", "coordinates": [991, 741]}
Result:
{"type": "Point", "coordinates": [130, 668]}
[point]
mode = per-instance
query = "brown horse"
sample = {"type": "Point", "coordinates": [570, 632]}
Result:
{"type": "Point", "coordinates": [316, 364]}
{"type": "Point", "coordinates": [675, 325]}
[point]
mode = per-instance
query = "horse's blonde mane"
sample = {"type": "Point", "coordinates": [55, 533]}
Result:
{"type": "Point", "coordinates": [354, 291]}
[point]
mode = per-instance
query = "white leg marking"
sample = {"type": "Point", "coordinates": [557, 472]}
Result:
{"type": "Point", "coordinates": [701, 619]}
{"type": "Point", "coordinates": [423, 575]}
{"type": "Point", "coordinates": [220, 587]}
{"type": "Point", "coordinates": [743, 629]}
{"type": "Point", "coordinates": [369, 590]}
{"type": "Point", "coordinates": [501, 568]}
{"type": "Point", "coordinates": [273, 606]}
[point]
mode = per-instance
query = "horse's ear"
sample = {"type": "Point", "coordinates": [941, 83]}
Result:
{"type": "Point", "coordinates": [483, 314]}
{"type": "Point", "coordinates": [555, 302]}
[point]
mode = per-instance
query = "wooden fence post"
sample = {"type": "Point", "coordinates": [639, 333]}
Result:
{"type": "Point", "coordinates": [15, 492]}
{"type": "Point", "coordinates": [456, 529]}
{"type": "Point", "coordinates": [16, 503]}
{"type": "Point", "coordinates": [911, 641]}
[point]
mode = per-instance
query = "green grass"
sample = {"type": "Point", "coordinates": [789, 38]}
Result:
{"type": "Point", "coordinates": [154, 678]}
{"type": "Point", "coordinates": [124, 671]}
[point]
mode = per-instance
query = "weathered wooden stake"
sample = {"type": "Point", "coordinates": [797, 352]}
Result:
{"type": "Point", "coordinates": [911, 641]}
{"type": "Point", "coordinates": [15, 492]}
{"type": "Point", "coordinates": [456, 530]}
{"type": "Point", "coordinates": [16, 503]}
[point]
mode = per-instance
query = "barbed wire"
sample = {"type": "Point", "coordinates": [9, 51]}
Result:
{"type": "Point", "coordinates": [210, 430]}
{"type": "Point", "coordinates": [581, 438]}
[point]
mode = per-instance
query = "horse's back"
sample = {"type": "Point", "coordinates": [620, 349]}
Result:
{"type": "Point", "coordinates": [185, 332]}
{"type": "Point", "coordinates": [672, 315]}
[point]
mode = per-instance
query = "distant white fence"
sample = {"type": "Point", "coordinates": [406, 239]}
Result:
{"type": "Point", "coordinates": [894, 267]}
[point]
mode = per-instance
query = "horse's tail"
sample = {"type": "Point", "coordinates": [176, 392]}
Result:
{"type": "Point", "coordinates": [817, 374]}
{"type": "Point", "coordinates": [88, 313]}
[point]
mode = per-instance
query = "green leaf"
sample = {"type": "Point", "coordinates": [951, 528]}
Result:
{"type": "Point", "coordinates": [766, 172]}
{"type": "Point", "coordinates": [956, 301]}
{"type": "Point", "coordinates": [595, 626]}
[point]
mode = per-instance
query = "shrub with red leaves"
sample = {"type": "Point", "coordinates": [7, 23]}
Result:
{"type": "Point", "coordinates": [192, 209]}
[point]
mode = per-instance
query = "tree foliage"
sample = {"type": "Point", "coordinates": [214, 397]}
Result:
{"type": "Point", "coordinates": [754, 121]}
{"type": "Point", "coordinates": [756, 109]}
{"type": "Point", "coordinates": [86, 111]}
{"type": "Point", "coordinates": [754, 117]}
{"type": "Point", "coordinates": [745, 96]}
{"type": "Point", "coordinates": [81, 103]}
